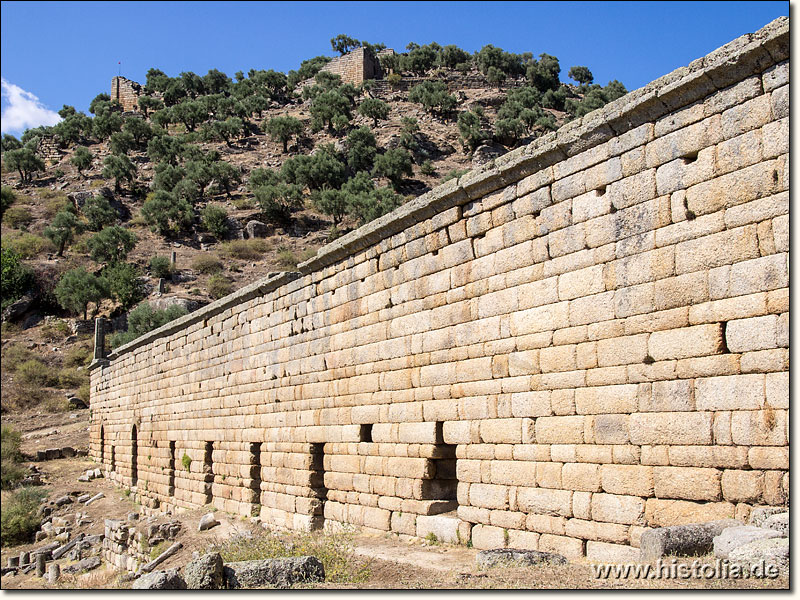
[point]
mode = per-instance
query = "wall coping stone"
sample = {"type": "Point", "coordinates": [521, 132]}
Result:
{"type": "Point", "coordinates": [748, 54]}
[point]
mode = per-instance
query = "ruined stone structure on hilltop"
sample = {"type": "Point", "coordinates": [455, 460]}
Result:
{"type": "Point", "coordinates": [356, 67]}
{"type": "Point", "coordinates": [588, 338]}
{"type": "Point", "coordinates": [126, 92]}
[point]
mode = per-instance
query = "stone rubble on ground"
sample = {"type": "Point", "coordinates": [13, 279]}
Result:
{"type": "Point", "coordinates": [734, 537]}
{"type": "Point", "coordinates": [504, 556]}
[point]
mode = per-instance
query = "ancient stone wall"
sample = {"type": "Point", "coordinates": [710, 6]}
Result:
{"type": "Point", "coordinates": [126, 92]}
{"type": "Point", "coordinates": [587, 338]}
{"type": "Point", "coordinates": [47, 149]}
{"type": "Point", "coordinates": [355, 67]}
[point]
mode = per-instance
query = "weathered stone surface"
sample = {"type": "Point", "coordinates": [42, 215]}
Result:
{"type": "Point", "coordinates": [204, 573]}
{"type": "Point", "coordinates": [86, 564]}
{"type": "Point", "coordinates": [774, 551]}
{"type": "Point", "coordinates": [760, 514]}
{"type": "Point", "coordinates": [486, 559]}
{"type": "Point", "coordinates": [257, 229]}
{"type": "Point", "coordinates": [273, 572]}
{"type": "Point", "coordinates": [682, 540]}
{"type": "Point", "coordinates": [731, 538]}
{"type": "Point", "coordinates": [160, 580]}
{"type": "Point", "coordinates": [207, 521]}
{"type": "Point", "coordinates": [779, 523]}
{"type": "Point", "coordinates": [18, 308]}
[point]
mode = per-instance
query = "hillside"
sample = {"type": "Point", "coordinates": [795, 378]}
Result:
{"type": "Point", "coordinates": [88, 204]}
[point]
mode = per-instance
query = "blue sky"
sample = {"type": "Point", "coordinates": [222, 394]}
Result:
{"type": "Point", "coordinates": [56, 53]}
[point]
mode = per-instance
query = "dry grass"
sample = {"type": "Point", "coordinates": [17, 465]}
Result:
{"type": "Point", "coordinates": [251, 249]}
{"type": "Point", "coordinates": [335, 550]}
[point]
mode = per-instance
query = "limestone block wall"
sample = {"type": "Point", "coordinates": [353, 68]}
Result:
{"type": "Point", "coordinates": [587, 338]}
{"type": "Point", "coordinates": [355, 67]}
{"type": "Point", "coordinates": [126, 92]}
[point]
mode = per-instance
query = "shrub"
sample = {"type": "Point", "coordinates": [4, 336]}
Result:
{"type": "Point", "coordinates": [28, 245]}
{"type": "Point", "coordinates": [35, 372]}
{"type": "Point", "coordinates": [81, 159]}
{"type": "Point", "coordinates": [161, 267]}
{"type": "Point", "coordinates": [99, 212]}
{"type": "Point", "coordinates": [166, 213]}
{"type": "Point", "coordinates": [215, 220]}
{"type": "Point", "coordinates": [282, 129]}
{"type": "Point", "coordinates": [433, 96]}
{"type": "Point", "coordinates": [251, 249]}
{"type": "Point", "coordinates": [64, 227]}
{"type": "Point", "coordinates": [17, 217]}
{"type": "Point", "coordinates": [219, 286]}
{"type": "Point", "coordinates": [16, 277]}
{"type": "Point", "coordinates": [286, 258]}
{"type": "Point", "coordinates": [207, 264]}
{"type": "Point", "coordinates": [7, 198]}
{"type": "Point", "coordinates": [186, 461]}
{"type": "Point", "coordinates": [144, 319]}
{"type": "Point", "coordinates": [14, 355]}
{"type": "Point", "coordinates": [20, 518]}
{"type": "Point", "coordinates": [375, 109]}
{"type": "Point", "coordinates": [427, 168]}
{"type": "Point", "coordinates": [78, 356]}
{"type": "Point", "coordinates": [123, 284]}
{"type": "Point", "coordinates": [10, 457]}
{"type": "Point", "coordinates": [72, 378]}
{"type": "Point", "coordinates": [455, 174]}
{"type": "Point", "coordinates": [111, 245]}
{"type": "Point", "coordinates": [394, 164]}
{"type": "Point", "coordinates": [394, 79]}
{"type": "Point", "coordinates": [56, 330]}
{"type": "Point", "coordinates": [77, 288]}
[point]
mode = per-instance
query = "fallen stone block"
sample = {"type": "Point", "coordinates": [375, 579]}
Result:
{"type": "Point", "coordinates": [207, 522]}
{"type": "Point", "coordinates": [67, 452]}
{"type": "Point", "coordinates": [52, 453]}
{"type": "Point", "coordinates": [773, 551]}
{"type": "Point", "coordinates": [160, 580]}
{"type": "Point", "coordinates": [53, 572]}
{"type": "Point", "coordinates": [95, 498]}
{"type": "Point", "coordinates": [682, 540]}
{"type": "Point", "coordinates": [63, 500]}
{"type": "Point", "coordinates": [273, 572]}
{"type": "Point", "coordinates": [59, 552]}
{"type": "Point", "coordinates": [83, 478]}
{"type": "Point", "coordinates": [779, 523]}
{"type": "Point", "coordinates": [735, 537]}
{"type": "Point", "coordinates": [161, 557]}
{"type": "Point", "coordinates": [84, 498]}
{"type": "Point", "coordinates": [204, 572]}
{"type": "Point", "coordinates": [505, 556]}
{"type": "Point", "coordinates": [759, 514]}
{"type": "Point", "coordinates": [87, 564]}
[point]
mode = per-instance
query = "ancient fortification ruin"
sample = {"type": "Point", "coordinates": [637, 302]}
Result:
{"type": "Point", "coordinates": [126, 92]}
{"type": "Point", "coordinates": [355, 67]}
{"type": "Point", "coordinates": [587, 338]}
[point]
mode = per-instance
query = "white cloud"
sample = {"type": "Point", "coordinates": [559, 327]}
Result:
{"type": "Point", "coordinates": [22, 110]}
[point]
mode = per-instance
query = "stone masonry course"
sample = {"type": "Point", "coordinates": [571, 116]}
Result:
{"type": "Point", "coordinates": [587, 338]}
